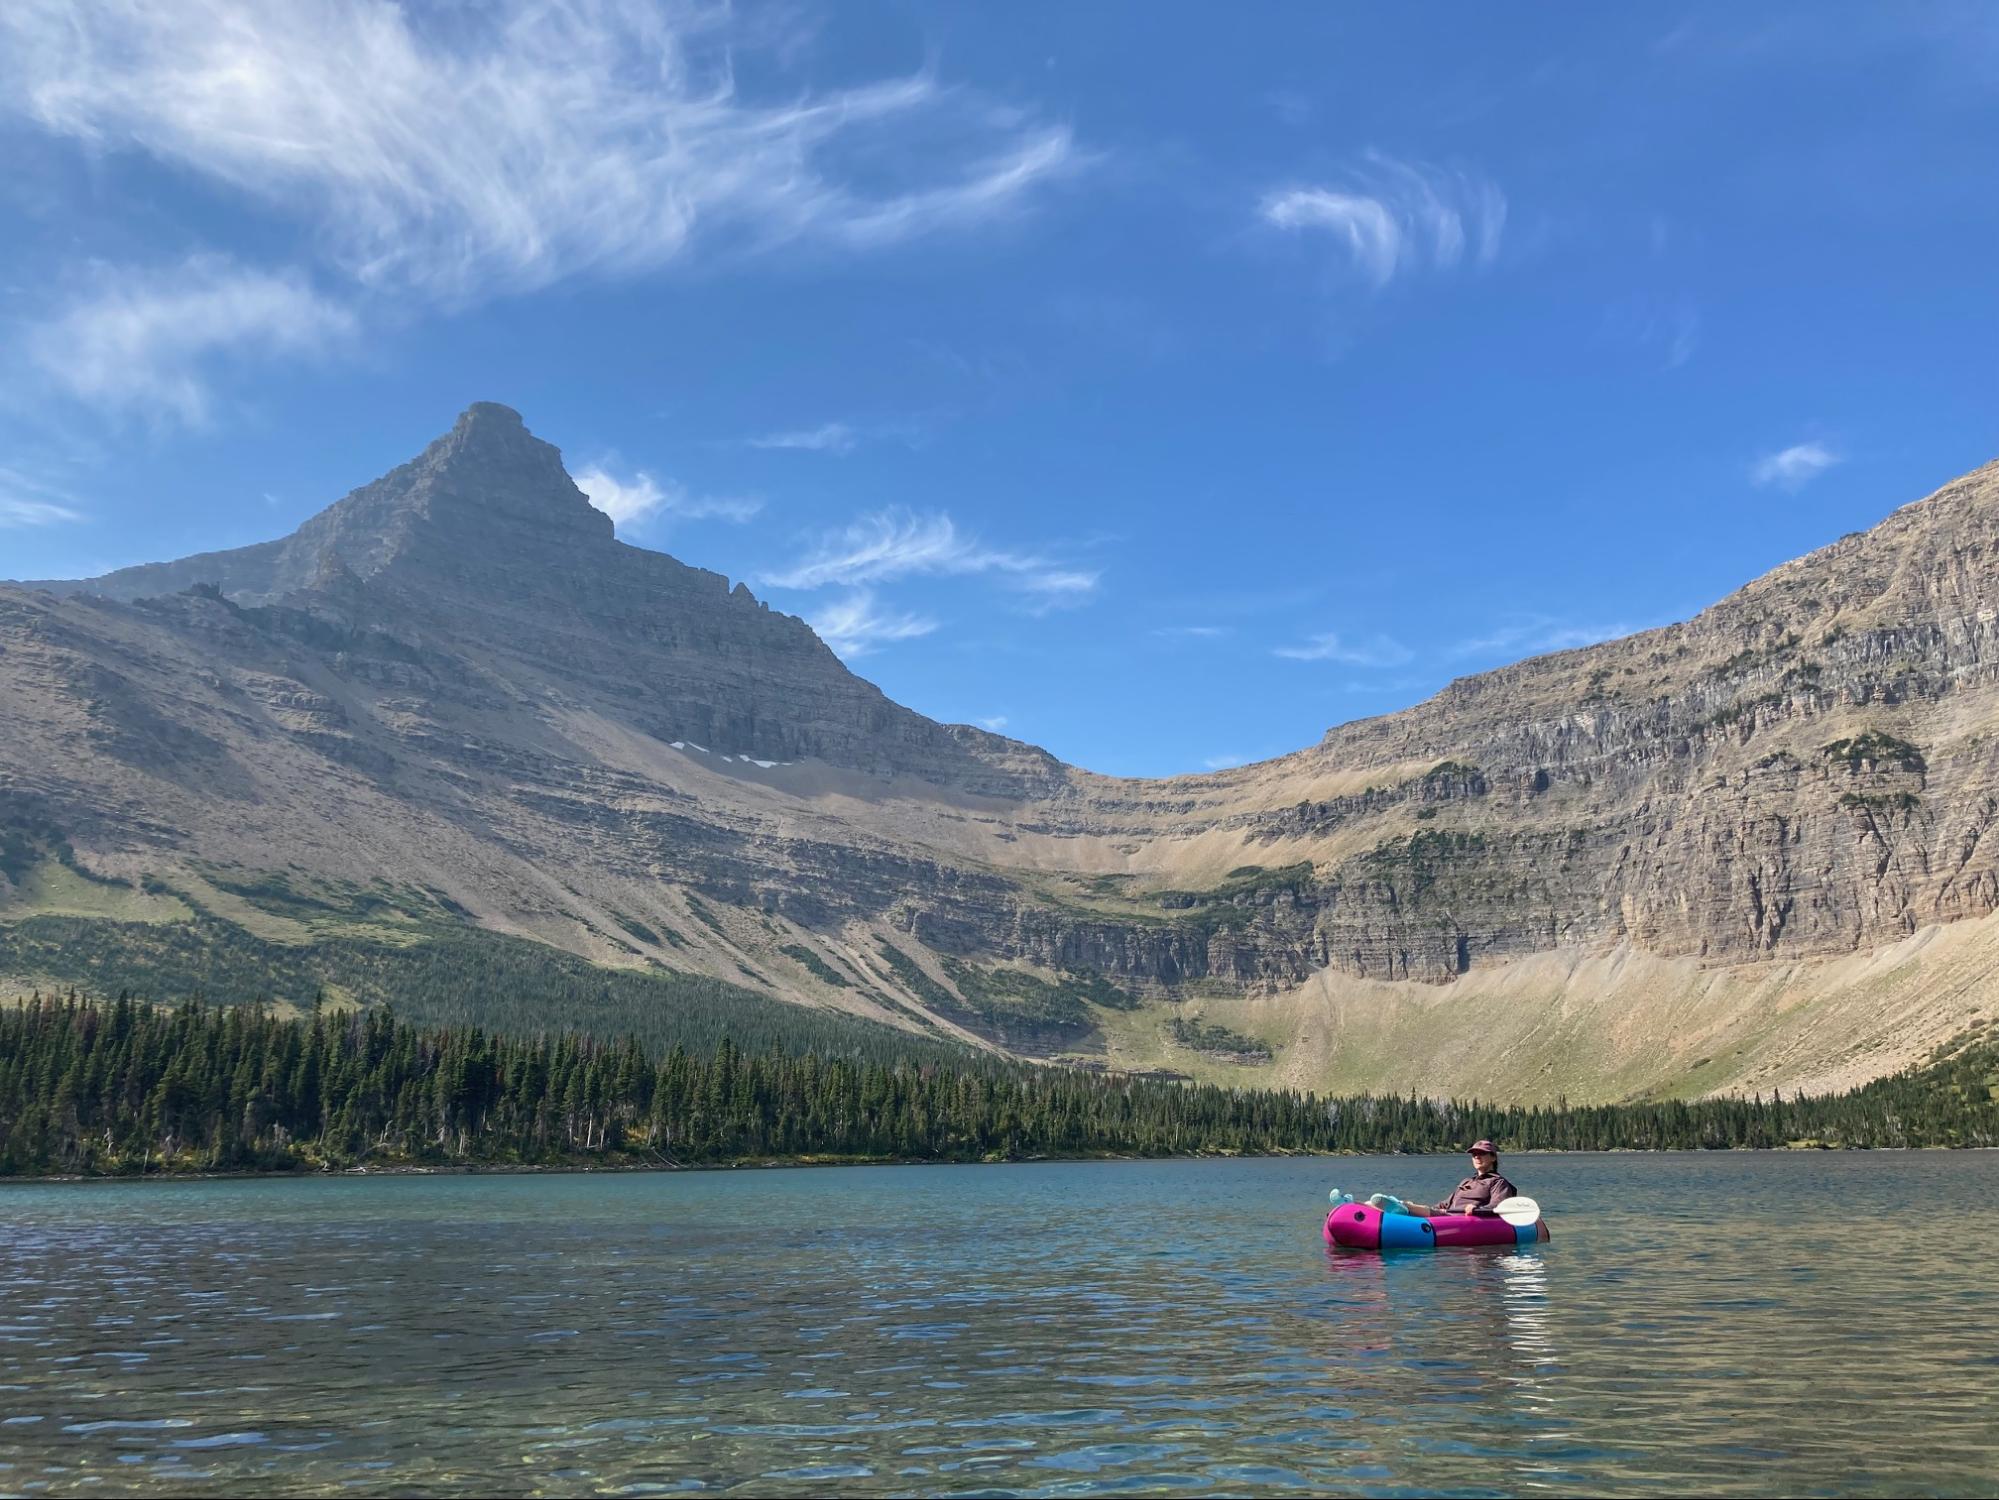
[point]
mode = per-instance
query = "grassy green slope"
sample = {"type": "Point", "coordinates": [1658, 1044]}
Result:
{"type": "Point", "coordinates": [439, 974]}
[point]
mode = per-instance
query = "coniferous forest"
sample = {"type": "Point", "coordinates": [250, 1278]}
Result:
{"type": "Point", "coordinates": [129, 1088]}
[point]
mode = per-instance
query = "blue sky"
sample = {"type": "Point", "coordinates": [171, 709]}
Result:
{"type": "Point", "coordinates": [1160, 391]}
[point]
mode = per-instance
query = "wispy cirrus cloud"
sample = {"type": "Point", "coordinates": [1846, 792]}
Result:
{"type": "Point", "coordinates": [995, 723]}
{"type": "Point", "coordinates": [1055, 588]}
{"type": "Point", "coordinates": [150, 340]}
{"type": "Point", "coordinates": [1375, 651]}
{"type": "Point", "coordinates": [827, 437]}
{"type": "Point", "coordinates": [510, 146]}
{"type": "Point", "coordinates": [641, 499]}
{"type": "Point", "coordinates": [840, 437]}
{"type": "Point", "coordinates": [857, 625]}
{"type": "Point", "coordinates": [1191, 632]}
{"type": "Point", "coordinates": [27, 501]}
{"type": "Point", "coordinates": [439, 157]}
{"type": "Point", "coordinates": [1389, 218]}
{"type": "Point", "coordinates": [15, 511]}
{"type": "Point", "coordinates": [896, 543]}
{"type": "Point", "coordinates": [1537, 635]}
{"type": "Point", "coordinates": [1794, 467]}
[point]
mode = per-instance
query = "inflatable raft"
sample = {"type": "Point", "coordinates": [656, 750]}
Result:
{"type": "Point", "coordinates": [1359, 1227]}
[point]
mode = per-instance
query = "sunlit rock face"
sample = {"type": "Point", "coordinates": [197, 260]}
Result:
{"type": "Point", "coordinates": [457, 678]}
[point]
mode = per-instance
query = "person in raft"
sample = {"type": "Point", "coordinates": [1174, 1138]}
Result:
{"type": "Point", "coordinates": [1478, 1194]}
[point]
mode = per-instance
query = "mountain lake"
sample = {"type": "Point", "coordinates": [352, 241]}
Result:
{"type": "Point", "coordinates": [1809, 1323]}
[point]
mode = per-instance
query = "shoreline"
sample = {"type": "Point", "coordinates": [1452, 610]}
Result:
{"type": "Point", "coordinates": [769, 1164]}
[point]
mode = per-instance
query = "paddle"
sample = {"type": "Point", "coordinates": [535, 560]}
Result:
{"type": "Point", "coordinates": [1519, 1211]}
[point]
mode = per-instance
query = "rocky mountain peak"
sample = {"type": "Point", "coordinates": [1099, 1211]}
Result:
{"type": "Point", "coordinates": [489, 435]}
{"type": "Point", "coordinates": [481, 557]}
{"type": "Point", "coordinates": [488, 468]}
{"type": "Point", "coordinates": [489, 417]}
{"type": "Point", "coordinates": [488, 498]}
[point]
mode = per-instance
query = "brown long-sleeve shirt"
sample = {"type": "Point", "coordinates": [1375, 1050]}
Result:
{"type": "Point", "coordinates": [1479, 1194]}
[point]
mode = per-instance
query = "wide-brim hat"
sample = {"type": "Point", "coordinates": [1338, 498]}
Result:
{"type": "Point", "coordinates": [1483, 1146]}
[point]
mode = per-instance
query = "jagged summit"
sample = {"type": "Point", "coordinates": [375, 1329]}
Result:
{"type": "Point", "coordinates": [490, 466]}
{"type": "Point", "coordinates": [489, 416]}
{"type": "Point", "coordinates": [486, 489]}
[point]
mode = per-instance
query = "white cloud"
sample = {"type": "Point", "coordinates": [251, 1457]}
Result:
{"type": "Point", "coordinates": [1393, 217]}
{"type": "Point", "coordinates": [710, 507]}
{"type": "Point", "coordinates": [1055, 588]}
{"type": "Point", "coordinates": [27, 501]}
{"type": "Point", "coordinates": [1794, 467]}
{"type": "Point", "coordinates": [622, 500]}
{"type": "Point", "coordinates": [149, 340]}
{"type": "Point", "coordinates": [1377, 651]}
{"type": "Point", "coordinates": [635, 501]}
{"type": "Point", "coordinates": [996, 723]}
{"type": "Point", "coordinates": [16, 512]}
{"type": "Point", "coordinates": [1225, 762]}
{"type": "Point", "coordinates": [855, 626]}
{"type": "Point", "coordinates": [1191, 632]}
{"type": "Point", "coordinates": [463, 152]}
{"type": "Point", "coordinates": [1371, 233]}
{"type": "Point", "coordinates": [888, 544]}
{"type": "Point", "coordinates": [828, 437]}
{"type": "Point", "coordinates": [898, 543]}
{"type": "Point", "coordinates": [1536, 635]}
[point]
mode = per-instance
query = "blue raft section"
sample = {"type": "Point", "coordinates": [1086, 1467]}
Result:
{"type": "Point", "coordinates": [1359, 1226]}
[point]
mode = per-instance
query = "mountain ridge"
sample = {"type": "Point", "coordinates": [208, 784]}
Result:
{"type": "Point", "coordinates": [486, 526]}
{"type": "Point", "coordinates": [369, 525]}
{"type": "Point", "coordinates": [456, 678]}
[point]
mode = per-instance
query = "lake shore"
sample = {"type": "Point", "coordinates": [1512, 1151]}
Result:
{"type": "Point", "coordinates": [755, 1164]}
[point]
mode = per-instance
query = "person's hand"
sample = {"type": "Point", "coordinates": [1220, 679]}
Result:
{"type": "Point", "coordinates": [1470, 1212]}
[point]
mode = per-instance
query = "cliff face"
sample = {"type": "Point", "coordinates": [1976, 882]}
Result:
{"type": "Point", "coordinates": [1808, 767]}
{"type": "Point", "coordinates": [457, 679]}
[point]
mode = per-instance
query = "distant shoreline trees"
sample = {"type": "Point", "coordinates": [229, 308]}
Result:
{"type": "Point", "coordinates": [127, 1088]}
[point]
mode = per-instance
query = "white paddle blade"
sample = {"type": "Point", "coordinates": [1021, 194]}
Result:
{"type": "Point", "coordinates": [1519, 1211]}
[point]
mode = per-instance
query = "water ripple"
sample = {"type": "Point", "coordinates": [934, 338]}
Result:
{"type": "Point", "coordinates": [1059, 1330]}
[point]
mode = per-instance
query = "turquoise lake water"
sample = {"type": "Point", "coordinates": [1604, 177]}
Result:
{"type": "Point", "coordinates": [1716, 1324]}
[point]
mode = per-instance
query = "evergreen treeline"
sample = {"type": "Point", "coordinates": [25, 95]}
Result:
{"type": "Point", "coordinates": [129, 1087]}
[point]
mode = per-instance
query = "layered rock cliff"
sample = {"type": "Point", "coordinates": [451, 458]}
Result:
{"type": "Point", "coordinates": [457, 680]}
